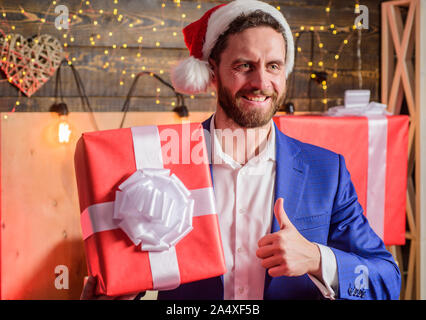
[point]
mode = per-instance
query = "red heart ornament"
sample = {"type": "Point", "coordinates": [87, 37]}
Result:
{"type": "Point", "coordinates": [29, 63]}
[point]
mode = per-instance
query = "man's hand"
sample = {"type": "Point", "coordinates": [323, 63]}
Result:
{"type": "Point", "coordinates": [286, 252]}
{"type": "Point", "coordinates": [89, 292]}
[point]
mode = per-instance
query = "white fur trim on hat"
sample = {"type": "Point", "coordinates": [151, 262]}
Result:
{"type": "Point", "coordinates": [191, 76]}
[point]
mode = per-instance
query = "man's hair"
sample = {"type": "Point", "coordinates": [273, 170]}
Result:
{"type": "Point", "coordinates": [255, 19]}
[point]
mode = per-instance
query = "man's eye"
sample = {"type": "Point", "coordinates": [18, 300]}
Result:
{"type": "Point", "coordinates": [243, 66]}
{"type": "Point", "coordinates": [274, 67]}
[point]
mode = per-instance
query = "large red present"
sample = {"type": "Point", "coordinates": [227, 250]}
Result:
{"type": "Point", "coordinates": [376, 152]}
{"type": "Point", "coordinates": [147, 208]}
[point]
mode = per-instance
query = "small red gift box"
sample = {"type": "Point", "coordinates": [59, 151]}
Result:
{"type": "Point", "coordinates": [159, 175]}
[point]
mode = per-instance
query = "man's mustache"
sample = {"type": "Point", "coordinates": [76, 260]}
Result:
{"type": "Point", "coordinates": [257, 92]}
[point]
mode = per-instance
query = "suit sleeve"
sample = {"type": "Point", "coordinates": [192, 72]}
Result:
{"type": "Point", "coordinates": [366, 270]}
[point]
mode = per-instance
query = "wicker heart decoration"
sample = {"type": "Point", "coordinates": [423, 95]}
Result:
{"type": "Point", "coordinates": [29, 63]}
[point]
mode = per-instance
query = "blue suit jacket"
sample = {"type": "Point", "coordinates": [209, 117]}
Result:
{"type": "Point", "coordinates": [320, 200]}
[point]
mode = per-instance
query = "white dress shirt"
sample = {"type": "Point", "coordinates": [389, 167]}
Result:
{"type": "Point", "coordinates": [244, 202]}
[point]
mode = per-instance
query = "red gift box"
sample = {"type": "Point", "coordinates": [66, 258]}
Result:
{"type": "Point", "coordinates": [376, 152]}
{"type": "Point", "coordinates": [106, 159]}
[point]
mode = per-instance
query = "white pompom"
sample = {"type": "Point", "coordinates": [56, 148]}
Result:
{"type": "Point", "coordinates": [191, 76]}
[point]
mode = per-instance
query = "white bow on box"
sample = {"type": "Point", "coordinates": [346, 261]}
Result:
{"type": "Point", "coordinates": [154, 208]}
{"type": "Point", "coordinates": [357, 104]}
{"type": "Point", "coordinates": [373, 108]}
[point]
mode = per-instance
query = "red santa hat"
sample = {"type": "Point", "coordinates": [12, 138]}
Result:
{"type": "Point", "coordinates": [193, 75]}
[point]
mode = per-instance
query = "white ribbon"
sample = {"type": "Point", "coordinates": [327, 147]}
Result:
{"type": "Point", "coordinates": [376, 181]}
{"type": "Point", "coordinates": [152, 208]}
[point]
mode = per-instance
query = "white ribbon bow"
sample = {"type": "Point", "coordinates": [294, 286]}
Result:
{"type": "Point", "coordinates": [154, 208]}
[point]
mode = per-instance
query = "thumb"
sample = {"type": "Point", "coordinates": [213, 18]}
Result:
{"type": "Point", "coordinates": [283, 220]}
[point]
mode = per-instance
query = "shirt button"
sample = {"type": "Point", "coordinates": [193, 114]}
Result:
{"type": "Point", "coordinates": [239, 250]}
{"type": "Point", "coordinates": [242, 211]}
{"type": "Point", "coordinates": [241, 290]}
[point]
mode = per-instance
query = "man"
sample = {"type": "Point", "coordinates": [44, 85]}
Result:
{"type": "Point", "coordinates": [291, 224]}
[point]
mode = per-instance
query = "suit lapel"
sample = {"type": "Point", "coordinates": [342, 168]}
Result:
{"type": "Point", "coordinates": [290, 177]}
{"type": "Point", "coordinates": [290, 180]}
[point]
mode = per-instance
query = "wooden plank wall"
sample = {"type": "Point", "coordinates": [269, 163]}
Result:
{"type": "Point", "coordinates": [163, 46]}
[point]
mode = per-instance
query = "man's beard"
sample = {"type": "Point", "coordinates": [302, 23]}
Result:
{"type": "Point", "coordinates": [248, 118]}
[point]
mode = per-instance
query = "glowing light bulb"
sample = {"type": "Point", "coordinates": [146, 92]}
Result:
{"type": "Point", "coordinates": [64, 131]}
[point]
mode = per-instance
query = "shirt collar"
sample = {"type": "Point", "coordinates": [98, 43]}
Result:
{"type": "Point", "coordinates": [267, 154]}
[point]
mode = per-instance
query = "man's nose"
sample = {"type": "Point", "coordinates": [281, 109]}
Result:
{"type": "Point", "coordinates": [259, 80]}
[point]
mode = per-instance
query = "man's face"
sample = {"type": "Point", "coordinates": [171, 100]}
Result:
{"type": "Point", "coordinates": [250, 78]}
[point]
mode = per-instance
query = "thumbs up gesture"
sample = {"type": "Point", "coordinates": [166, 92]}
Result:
{"type": "Point", "coordinates": [286, 252]}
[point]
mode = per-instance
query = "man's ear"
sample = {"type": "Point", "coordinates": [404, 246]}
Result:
{"type": "Point", "coordinates": [214, 68]}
